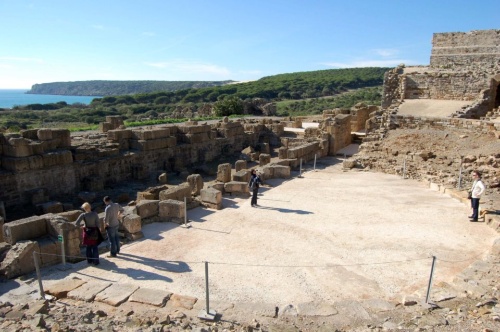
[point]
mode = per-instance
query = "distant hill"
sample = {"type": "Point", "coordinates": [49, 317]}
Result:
{"type": "Point", "coordinates": [114, 88]}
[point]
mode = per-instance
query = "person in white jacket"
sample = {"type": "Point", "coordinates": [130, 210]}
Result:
{"type": "Point", "coordinates": [477, 190]}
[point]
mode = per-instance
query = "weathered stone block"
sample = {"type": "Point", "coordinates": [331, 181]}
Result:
{"type": "Point", "coordinates": [71, 216]}
{"type": "Point", "coordinates": [50, 251]}
{"type": "Point", "coordinates": [44, 134]}
{"type": "Point", "coordinates": [19, 260]}
{"type": "Point", "coordinates": [239, 165]}
{"type": "Point", "coordinates": [57, 158]}
{"type": "Point", "coordinates": [236, 187]}
{"type": "Point", "coordinates": [25, 229]}
{"type": "Point", "coordinates": [163, 178]}
{"type": "Point", "coordinates": [177, 193]}
{"type": "Point", "coordinates": [134, 236]}
{"type": "Point", "coordinates": [264, 159]}
{"type": "Point", "coordinates": [144, 195]}
{"type": "Point", "coordinates": [242, 176]}
{"type": "Point", "coordinates": [147, 208]}
{"type": "Point", "coordinates": [211, 195]}
{"type": "Point", "coordinates": [224, 173]}
{"type": "Point", "coordinates": [172, 210]}
{"type": "Point", "coordinates": [282, 172]}
{"type": "Point", "coordinates": [119, 134]}
{"type": "Point", "coordinates": [131, 223]}
{"type": "Point", "coordinates": [196, 183]}
{"type": "Point", "coordinates": [50, 207]}
{"type": "Point", "coordinates": [18, 147]}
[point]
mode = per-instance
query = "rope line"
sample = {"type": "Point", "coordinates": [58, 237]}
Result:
{"type": "Point", "coordinates": [145, 260]}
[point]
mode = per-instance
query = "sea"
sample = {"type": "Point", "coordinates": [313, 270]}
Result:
{"type": "Point", "coordinates": [12, 97]}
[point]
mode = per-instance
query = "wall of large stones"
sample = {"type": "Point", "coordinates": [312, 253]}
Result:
{"type": "Point", "coordinates": [413, 122]}
{"type": "Point", "coordinates": [440, 85]}
{"type": "Point", "coordinates": [464, 49]}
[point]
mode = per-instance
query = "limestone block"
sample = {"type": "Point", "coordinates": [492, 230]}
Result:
{"type": "Point", "coordinates": [283, 153]}
{"type": "Point", "coordinates": [18, 147]}
{"type": "Point", "coordinates": [44, 134]}
{"type": "Point", "coordinates": [211, 195]}
{"type": "Point", "coordinates": [264, 159]}
{"type": "Point", "coordinates": [265, 148]}
{"type": "Point", "coordinates": [144, 195]}
{"type": "Point", "coordinates": [105, 127]}
{"type": "Point", "coordinates": [50, 251]}
{"type": "Point", "coordinates": [147, 208]}
{"type": "Point", "coordinates": [57, 158]}
{"type": "Point", "coordinates": [37, 195]}
{"type": "Point", "coordinates": [224, 173]}
{"type": "Point", "coordinates": [241, 176]}
{"type": "Point", "coordinates": [219, 186]}
{"type": "Point", "coordinates": [195, 138]}
{"type": "Point", "coordinates": [254, 156]}
{"type": "Point", "coordinates": [38, 147]}
{"type": "Point", "coordinates": [282, 172]}
{"type": "Point", "coordinates": [239, 165]}
{"type": "Point", "coordinates": [196, 183]}
{"type": "Point", "coordinates": [177, 193]}
{"type": "Point", "coordinates": [119, 134]}
{"type": "Point", "coordinates": [63, 136]}
{"type": "Point", "coordinates": [172, 210]}
{"type": "Point", "coordinates": [236, 187]}
{"type": "Point", "coordinates": [131, 223]}
{"type": "Point", "coordinates": [194, 129]}
{"type": "Point", "coordinates": [25, 229]}
{"type": "Point", "coordinates": [19, 259]}
{"type": "Point", "coordinates": [29, 134]}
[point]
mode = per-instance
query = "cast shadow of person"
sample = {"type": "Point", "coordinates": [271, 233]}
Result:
{"type": "Point", "coordinates": [163, 265]}
{"type": "Point", "coordinates": [133, 273]}
{"type": "Point", "coordinates": [282, 210]}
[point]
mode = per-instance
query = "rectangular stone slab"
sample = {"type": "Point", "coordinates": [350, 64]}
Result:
{"type": "Point", "coordinates": [60, 289]}
{"type": "Point", "coordinates": [156, 297]}
{"type": "Point", "coordinates": [88, 291]}
{"type": "Point", "coordinates": [116, 294]}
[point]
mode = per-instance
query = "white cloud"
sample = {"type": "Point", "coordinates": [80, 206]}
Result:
{"type": "Point", "coordinates": [20, 59]}
{"type": "Point", "coordinates": [386, 52]}
{"type": "Point", "coordinates": [369, 63]}
{"type": "Point", "coordinates": [186, 67]}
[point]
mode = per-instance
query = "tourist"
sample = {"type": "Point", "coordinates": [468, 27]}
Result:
{"type": "Point", "coordinates": [112, 213]}
{"type": "Point", "coordinates": [476, 191]}
{"type": "Point", "coordinates": [253, 185]}
{"type": "Point", "coordinates": [91, 233]}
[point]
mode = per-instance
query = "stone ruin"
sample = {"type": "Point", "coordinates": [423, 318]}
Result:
{"type": "Point", "coordinates": [463, 67]}
{"type": "Point", "coordinates": [49, 172]}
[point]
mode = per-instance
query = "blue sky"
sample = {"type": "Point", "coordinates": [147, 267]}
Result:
{"type": "Point", "coordinates": [56, 41]}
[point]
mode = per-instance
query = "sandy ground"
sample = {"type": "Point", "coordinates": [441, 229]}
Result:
{"type": "Point", "coordinates": [326, 236]}
{"type": "Point", "coordinates": [431, 107]}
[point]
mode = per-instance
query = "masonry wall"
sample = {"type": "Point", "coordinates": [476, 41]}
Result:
{"type": "Point", "coordinates": [465, 49]}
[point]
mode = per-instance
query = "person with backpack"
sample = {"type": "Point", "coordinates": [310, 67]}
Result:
{"type": "Point", "coordinates": [475, 193]}
{"type": "Point", "coordinates": [253, 186]}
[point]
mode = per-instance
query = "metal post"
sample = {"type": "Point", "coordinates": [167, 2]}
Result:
{"type": "Point", "coordinates": [315, 161]}
{"type": "Point", "coordinates": [185, 214]}
{"type": "Point", "coordinates": [206, 287]}
{"type": "Point", "coordinates": [63, 251]}
{"type": "Point", "coordinates": [207, 314]}
{"type": "Point", "coordinates": [430, 279]}
{"type": "Point", "coordinates": [300, 169]}
{"type": "Point", "coordinates": [404, 168]}
{"type": "Point", "coordinates": [38, 274]}
{"type": "Point", "coordinates": [459, 184]}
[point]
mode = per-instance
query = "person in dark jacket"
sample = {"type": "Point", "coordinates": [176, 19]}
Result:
{"type": "Point", "coordinates": [91, 233]}
{"type": "Point", "coordinates": [253, 186]}
{"type": "Point", "coordinates": [111, 220]}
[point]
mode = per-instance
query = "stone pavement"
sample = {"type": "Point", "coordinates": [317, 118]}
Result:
{"type": "Point", "coordinates": [431, 107]}
{"type": "Point", "coordinates": [333, 244]}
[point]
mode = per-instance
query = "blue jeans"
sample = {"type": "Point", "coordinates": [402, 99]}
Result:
{"type": "Point", "coordinates": [93, 255]}
{"type": "Point", "coordinates": [475, 208]}
{"type": "Point", "coordinates": [114, 240]}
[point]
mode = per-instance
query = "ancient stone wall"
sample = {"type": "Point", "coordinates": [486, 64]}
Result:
{"type": "Point", "coordinates": [479, 49]}
{"type": "Point", "coordinates": [52, 162]}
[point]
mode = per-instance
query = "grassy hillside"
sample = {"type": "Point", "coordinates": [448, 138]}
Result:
{"type": "Point", "coordinates": [292, 94]}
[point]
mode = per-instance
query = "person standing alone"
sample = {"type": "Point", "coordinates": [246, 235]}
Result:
{"type": "Point", "coordinates": [476, 191]}
{"type": "Point", "coordinates": [254, 185]}
{"type": "Point", "coordinates": [111, 215]}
